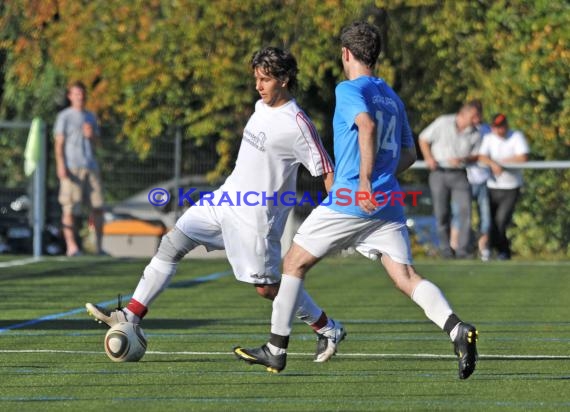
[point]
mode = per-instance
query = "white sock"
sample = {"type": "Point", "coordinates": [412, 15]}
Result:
{"type": "Point", "coordinates": [454, 331]}
{"type": "Point", "coordinates": [307, 309]}
{"type": "Point", "coordinates": [431, 300]}
{"type": "Point", "coordinates": [131, 317]}
{"type": "Point", "coordinates": [275, 350]}
{"type": "Point", "coordinates": [328, 327]}
{"type": "Point", "coordinates": [155, 279]}
{"type": "Point", "coordinates": [284, 305]}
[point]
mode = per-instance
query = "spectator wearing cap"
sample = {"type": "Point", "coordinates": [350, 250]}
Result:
{"type": "Point", "coordinates": [501, 150]}
{"type": "Point", "coordinates": [448, 145]}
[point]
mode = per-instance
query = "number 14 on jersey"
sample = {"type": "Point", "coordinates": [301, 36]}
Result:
{"type": "Point", "coordinates": [386, 139]}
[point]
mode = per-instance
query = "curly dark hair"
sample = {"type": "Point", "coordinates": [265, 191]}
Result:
{"type": "Point", "coordinates": [277, 63]}
{"type": "Point", "coordinates": [363, 40]}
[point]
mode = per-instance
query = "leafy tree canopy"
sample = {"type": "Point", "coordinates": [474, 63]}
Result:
{"type": "Point", "coordinates": [155, 64]}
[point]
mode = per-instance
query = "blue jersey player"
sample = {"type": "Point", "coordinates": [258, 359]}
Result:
{"type": "Point", "coordinates": [372, 144]}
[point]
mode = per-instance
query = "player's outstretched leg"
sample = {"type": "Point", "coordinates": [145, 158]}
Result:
{"type": "Point", "coordinates": [328, 341]}
{"type": "Point", "coordinates": [262, 356]}
{"type": "Point", "coordinates": [465, 345]}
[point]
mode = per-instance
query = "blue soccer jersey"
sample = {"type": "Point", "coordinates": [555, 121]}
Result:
{"type": "Point", "coordinates": [371, 95]}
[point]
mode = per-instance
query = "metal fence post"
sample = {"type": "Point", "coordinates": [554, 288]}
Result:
{"type": "Point", "coordinates": [177, 164]}
{"type": "Point", "coordinates": [39, 195]}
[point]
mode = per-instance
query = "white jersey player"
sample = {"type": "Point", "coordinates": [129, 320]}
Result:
{"type": "Point", "coordinates": [247, 214]}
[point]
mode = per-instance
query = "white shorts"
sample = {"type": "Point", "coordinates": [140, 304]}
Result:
{"type": "Point", "coordinates": [254, 255]}
{"type": "Point", "coordinates": [326, 230]}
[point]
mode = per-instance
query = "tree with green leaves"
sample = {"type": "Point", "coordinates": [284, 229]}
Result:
{"type": "Point", "coordinates": [155, 65]}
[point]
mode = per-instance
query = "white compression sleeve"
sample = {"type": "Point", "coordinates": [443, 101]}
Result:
{"type": "Point", "coordinates": [285, 304]}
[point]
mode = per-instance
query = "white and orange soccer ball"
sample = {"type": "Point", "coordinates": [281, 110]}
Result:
{"type": "Point", "coordinates": [125, 342]}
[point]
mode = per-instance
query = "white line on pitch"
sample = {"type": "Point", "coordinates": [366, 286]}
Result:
{"type": "Point", "coordinates": [353, 355]}
{"type": "Point", "coordinates": [19, 262]}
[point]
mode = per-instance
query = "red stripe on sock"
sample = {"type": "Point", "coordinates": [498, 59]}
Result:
{"type": "Point", "coordinates": [321, 323]}
{"type": "Point", "coordinates": [137, 308]}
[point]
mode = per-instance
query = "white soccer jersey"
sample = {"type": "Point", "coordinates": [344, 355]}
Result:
{"type": "Point", "coordinates": [247, 214]}
{"type": "Point", "coordinates": [276, 140]}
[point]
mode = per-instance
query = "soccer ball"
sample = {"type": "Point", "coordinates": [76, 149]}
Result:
{"type": "Point", "coordinates": [125, 342]}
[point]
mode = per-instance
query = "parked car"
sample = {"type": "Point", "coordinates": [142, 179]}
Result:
{"type": "Point", "coordinates": [419, 217]}
{"type": "Point", "coordinates": [140, 207]}
{"type": "Point", "coordinates": [16, 234]}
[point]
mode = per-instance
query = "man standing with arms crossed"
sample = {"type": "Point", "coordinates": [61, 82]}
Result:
{"type": "Point", "coordinates": [372, 144]}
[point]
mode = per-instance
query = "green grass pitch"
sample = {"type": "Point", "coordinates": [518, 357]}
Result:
{"type": "Point", "coordinates": [52, 358]}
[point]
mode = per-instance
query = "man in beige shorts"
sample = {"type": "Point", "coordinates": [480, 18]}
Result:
{"type": "Point", "coordinates": [76, 134]}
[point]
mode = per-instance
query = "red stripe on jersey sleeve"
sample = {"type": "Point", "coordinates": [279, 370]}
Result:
{"type": "Point", "coordinates": [325, 159]}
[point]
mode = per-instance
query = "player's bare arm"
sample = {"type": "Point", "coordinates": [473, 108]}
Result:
{"type": "Point", "coordinates": [367, 145]}
{"type": "Point", "coordinates": [408, 156]}
{"type": "Point", "coordinates": [328, 179]}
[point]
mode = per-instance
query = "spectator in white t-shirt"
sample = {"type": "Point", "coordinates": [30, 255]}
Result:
{"type": "Point", "coordinates": [501, 150]}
